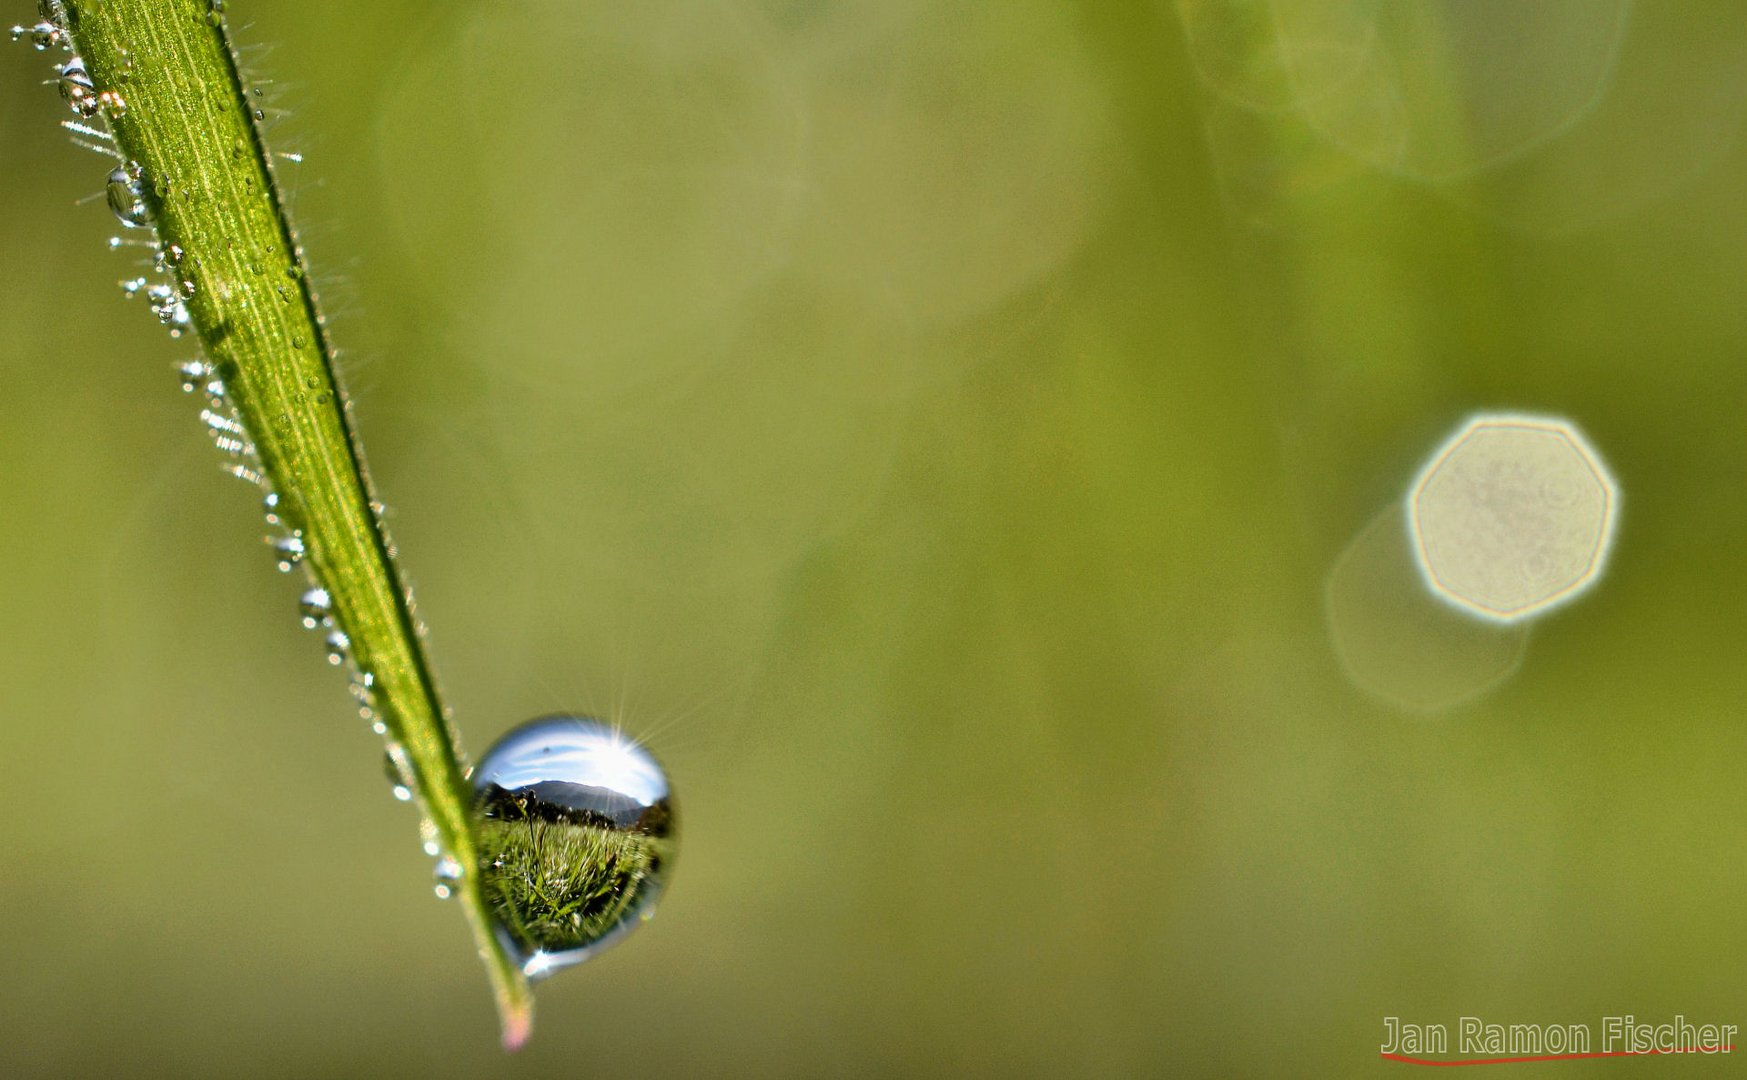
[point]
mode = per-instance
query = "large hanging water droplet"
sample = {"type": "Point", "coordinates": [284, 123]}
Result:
{"type": "Point", "coordinates": [576, 833]}
{"type": "Point", "coordinates": [127, 196]}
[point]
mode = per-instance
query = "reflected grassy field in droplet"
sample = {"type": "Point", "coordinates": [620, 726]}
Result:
{"type": "Point", "coordinates": [559, 887]}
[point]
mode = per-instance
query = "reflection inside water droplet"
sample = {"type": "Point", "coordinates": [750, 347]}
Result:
{"type": "Point", "coordinates": [126, 194]}
{"type": "Point", "coordinates": [290, 552]}
{"type": "Point", "coordinates": [337, 644]}
{"type": "Point", "coordinates": [76, 88]}
{"type": "Point", "coordinates": [314, 606]}
{"type": "Point", "coordinates": [576, 837]}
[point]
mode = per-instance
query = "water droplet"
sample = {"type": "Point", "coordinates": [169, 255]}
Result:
{"type": "Point", "coordinates": [290, 552]}
{"type": "Point", "coordinates": [127, 196]}
{"type": "Point", "coordinates": [448, 871]}
{"type": "Point", "coordinates": [76, 88]}
{"type": "Point", "coordinates": [314, 606]}
{"type": "Point", "coordinates": [193, 374]}
{"type": "Point", "coordinates": [576, 837]}
{"type": "Point", "coordinates": [43, 36]}
{"type": "Point", "coordinates": [364, 687]}
{"type": "Point", "coordinates": [338, 643]}
{"type": "Point", "coordinates": [113, 103]}
{"type": "Point", "coordinates": [399, 782]}
{"type": "Point", "coordinates": [270, 506]}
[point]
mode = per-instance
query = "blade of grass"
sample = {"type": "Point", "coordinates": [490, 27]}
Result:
{"type": "Point", "coordinates": [180, 114]}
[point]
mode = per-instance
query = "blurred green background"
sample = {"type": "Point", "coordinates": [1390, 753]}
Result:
{"type": "Point", "coordinates": [931, 426]}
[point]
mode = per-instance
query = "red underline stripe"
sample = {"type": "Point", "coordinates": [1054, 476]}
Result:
{"type": "Point", "coordinates": [1406, 1060]}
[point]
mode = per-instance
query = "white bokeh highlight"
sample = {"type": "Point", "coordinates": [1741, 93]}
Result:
{"type": "Point", "coordinates": [1512, 516]}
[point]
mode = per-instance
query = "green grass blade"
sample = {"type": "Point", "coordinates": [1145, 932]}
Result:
{"type": "Point", "coordinates": [178, 110]}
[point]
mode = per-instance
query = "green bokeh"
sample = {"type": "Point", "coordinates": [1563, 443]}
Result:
{"type": "Point", "coordinates": [931, 427]}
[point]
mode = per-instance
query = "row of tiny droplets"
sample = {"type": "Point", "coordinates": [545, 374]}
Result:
{"type": "Point", "coordinates": [167, 290]}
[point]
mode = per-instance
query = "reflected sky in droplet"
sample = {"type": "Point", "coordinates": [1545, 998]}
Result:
{"type": "Point", "coordinates": [581, 752]}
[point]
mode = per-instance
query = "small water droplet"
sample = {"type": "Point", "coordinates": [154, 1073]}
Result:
{"type": "Point", "coordinates": [127, 197]}
{"type": "Point", "coordinates": [576, 833]}
{"type": "Point", "coordinates": [270, 506]}
{"type": "Point", "coordinates": [448, 872]}
{"type": "Point", "coordinates": [165, 305]}
{"type": "Point", "coordinates": [338, 643]}
{"type": "Point", "coordinates": [315, 606]}
{"type": "Point", "coordinates": [290, 551]}
{"type": "Point", "coordinates": [43, 36]}
{"type": "Point", "coordinates": [113, 103]}
{"type": "Point", "coordinates": [398, 781]}
{"type": "Point", "coordinates": [76, 88]}
{"type": "Point", "coordinates": [364, 687]}
{"type": "Point", "coordinates": [193, 374]}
